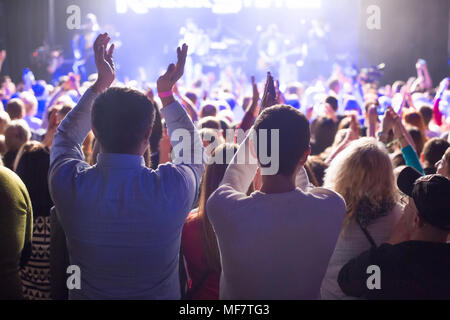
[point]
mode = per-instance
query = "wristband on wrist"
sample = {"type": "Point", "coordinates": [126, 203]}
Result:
{"type": "Point", "coordinates": [165, 94]}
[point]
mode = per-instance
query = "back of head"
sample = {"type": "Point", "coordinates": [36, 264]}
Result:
{"type": "Point", "coordinates": [333, 102]}
{"type": "Point", "coordinates": [210, 138]}
{"type": "Point", "coordinates": [192, 96]}
{"type": "Point", "coordinates": [363, 175]}
{"type": "Point", "coordinates": [17, 134]}
{"type": "Point", "coordinates": [333, 84]}
{"type": "Point", "coordinates": [415, 119]}
{"type": "Point", "coordinates": [30, 101]}
{"type": "Point", "coordinates": [121, 118]}
{"type": "Point", "coordinates": [210, 123]}
{"type": "Point", "coordinates": [63, 111]}
{"type": "Point", "coordinates": [427, 114]}
{"type": "Point", "coordinates": [4, 121]}
{"type": "Point", "coordinates": [447, 159]}
{"type": "Point", "coordinates": [32, 160]}
{"type": "Point", "coordinates": [324, 132]}
{"type": "Point", "coordinates": [215, 170]}
{"type": "Point", "coordinates": [15, 109]}
{"type": "Point", "coordinates": [294, 135]}
{"type": "Point", "coordinates": [318, 167]}
{"type": "Point", "coordinates": [208, 110]}
{"type": "Point", "coordinates": [433, 150]}
{"type": "Point", "coordinates": [418, 138]}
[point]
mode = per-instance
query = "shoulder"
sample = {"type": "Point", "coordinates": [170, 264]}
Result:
{"type": "Point", "coordinates": [12, 190]}
{"type": "Point", "coordinates": [226, 196]}
{"type": "Point", "coordinates": [328, 197]}
{"type": "Point", "coordinates": [10, 179]}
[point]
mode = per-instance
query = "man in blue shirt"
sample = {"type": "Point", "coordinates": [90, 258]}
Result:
{"type": "Point", "coordinates": [122, 220]}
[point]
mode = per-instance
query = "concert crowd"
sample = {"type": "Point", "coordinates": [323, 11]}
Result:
{"type": "Point", "coordinates": [101, 197]}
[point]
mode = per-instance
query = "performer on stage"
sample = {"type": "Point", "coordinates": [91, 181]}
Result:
{"type": "Point", "coordinates": [270, 49]}
{"type": "Point", "coordinates": [82, 47]}
{"type": "Point", "coordinates": [199, 44]}
{"type": "Point", "coordinates": [317, 60]}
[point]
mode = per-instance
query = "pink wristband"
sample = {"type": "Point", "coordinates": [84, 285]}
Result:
{"type": "Point", "coordinates": [165, 94]}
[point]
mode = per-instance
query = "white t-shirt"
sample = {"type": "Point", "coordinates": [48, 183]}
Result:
{"type": "Point", "coordinates": [273, 246]}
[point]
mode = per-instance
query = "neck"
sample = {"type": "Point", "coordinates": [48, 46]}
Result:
{"type": "Point", "coordinates": [277, 184]}
{"type": "Point", "coordinates": [430, 236]}
{"type": "Point", "coordinates": [130, 152]}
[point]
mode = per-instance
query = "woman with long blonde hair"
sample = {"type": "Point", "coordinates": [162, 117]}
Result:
{"type": "Point", "coordinates": [364, 176]}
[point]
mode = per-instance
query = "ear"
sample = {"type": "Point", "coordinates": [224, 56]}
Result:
{"type": "Point", "coordinates": [422, 158]}
{"type": "Point", "coordinates": [418, 222]}
{"type": "Point", "coordinates": [148, 134]}
{"type": "Point", "coordinates": [304, 157]}
{"type": "Point", "coordinates": [95, 133]}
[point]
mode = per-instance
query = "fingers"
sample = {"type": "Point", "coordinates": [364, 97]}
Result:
{"type": "Point", "coordinates": [169, 71]}
{"type": "Point", "coordinates": [181, 61]}
{"type": "Point", "coordinates": [100, 46]}
{"type": "Point", "coordinates": [111, 51]}
{"type": "Point", "coordinates": [254, 86]}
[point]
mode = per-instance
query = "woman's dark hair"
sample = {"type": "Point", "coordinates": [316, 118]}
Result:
{"type": "Point", "coordinates": [212, 177]}
{"type": "Point", "coordinates": [317, 167]}
{"type": "Point", "coordinates": [31, 165]}
{"type": "Point", "coordinates": [157, 130]}
{"type": "Point", "coordinates": [419, 139]}
{"type": "Point", "coordinates": [323, 131]}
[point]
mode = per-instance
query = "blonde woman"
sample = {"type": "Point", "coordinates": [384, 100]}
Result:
{"type": "Point", "coordinates": [363, 174]}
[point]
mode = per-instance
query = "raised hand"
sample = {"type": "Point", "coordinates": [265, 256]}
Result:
{"type": "Point", "coordinates": [280, 96]}
{"type": "Point", "coordinates": [353, 133]}
{"type": "Point", "coordinates": [442, 87]}
{"type": "Point", "coordinates": [389, 120]}
{"type": "Point", "coordinates": [2, 55]}
{"type": "Point", "coordinates": [255, 97]}
{"type": "Point", "coordinates": [174, 72]}
{"type": "Point", "coordinates": [270, 96]}
{"type": "Point", "coordinates": [104, 62]}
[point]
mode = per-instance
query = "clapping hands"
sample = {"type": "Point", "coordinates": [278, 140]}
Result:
{"type": "Point", "coordinates": [270, 95]}
{"type": "Point", "coordinates": [174, 72]}
{"type": "Point", "coordinates": [104, 62]}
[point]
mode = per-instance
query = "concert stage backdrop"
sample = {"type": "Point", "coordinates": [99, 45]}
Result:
{"type": "Point", "coordinates": [230, 34]}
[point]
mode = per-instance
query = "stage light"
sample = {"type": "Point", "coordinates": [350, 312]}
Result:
{"type": "Point", "coordinates": [217, 6]}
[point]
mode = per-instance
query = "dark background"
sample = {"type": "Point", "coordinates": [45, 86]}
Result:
{"type": "Point", "coordinates": [411, 29]}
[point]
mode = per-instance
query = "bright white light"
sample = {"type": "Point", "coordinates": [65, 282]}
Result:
{"type": "Point", "coordinates": [217, 6]}
{"type": "Point", "coordinates": [227, 6]}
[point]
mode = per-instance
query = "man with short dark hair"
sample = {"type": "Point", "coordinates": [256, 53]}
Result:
{"type": "Point", "coordinates": [277, 242]}
{"type": "Point", "coordinates": [415, 262]}
{"type": "Point", "coordinates": [122, 220]}
{"type": "Point", "coordinates": [432, 152]}
{"type": "Point", "coordinates": [332, 102]}
{"type": "Point", "coordinates": [15, 109]}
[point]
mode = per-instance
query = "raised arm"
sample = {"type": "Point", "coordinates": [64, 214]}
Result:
{"type": "Point", "coordinates": [187, 103]}
{"type": "Point", "coordinates": [437, 115]}
{"type": "Point", "coordinates": [351, 135]}
{"type": "Point", "coordinates": [74, 128]}
{"type": "Point", "coordinates": [2, 58]}
{"type": "Point", "coordinates": [250, 113]}
{"type": "Point", "coordinates": [243, 167]}
{"type": "Point", "coordinates": [191, 163]}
